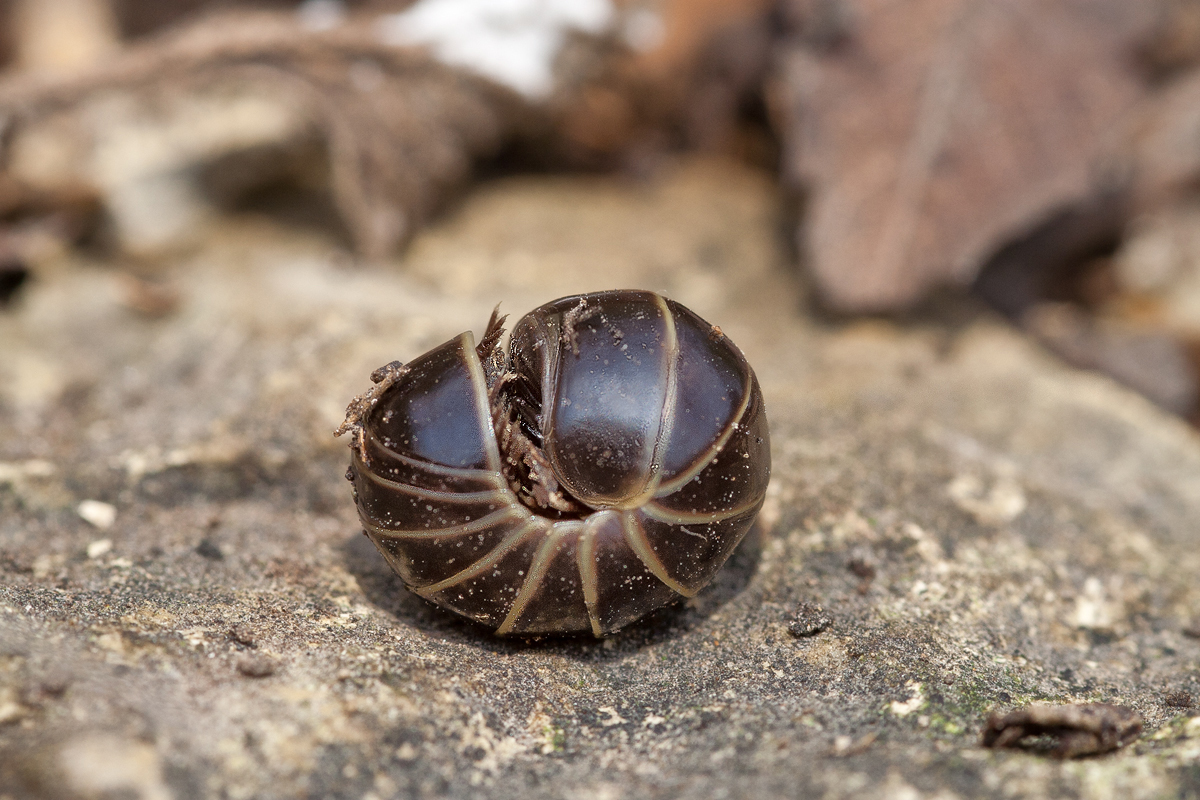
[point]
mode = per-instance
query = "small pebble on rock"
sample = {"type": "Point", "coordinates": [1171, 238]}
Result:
{"type": "Point", "coordinates": [242, 635]}
{"type": "Point", "coordinates": [210, 550]}
{"type": "Point", "coordinates": [808, 620]}
{"type": "Point", "coordinates": [1074, 730]}
{"type": "Point", "coordinates": [97, 514]}
{"type": "Point", "coordinates": [862, 564]}
{"type": "Point", "coordinates": [257, 666]}
{"type": "Point", "coordinates": [1179, 700]}
{"type": "Point", "coordinates": [98, 548]}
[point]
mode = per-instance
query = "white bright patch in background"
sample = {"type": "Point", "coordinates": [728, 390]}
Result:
{"type": "Point", "coordinates": [513, 42]}
{"type": "Point", "coordinates": [644, 29]}
{"type": "Point", "coordinates": [321, 15]}
{"type": "Point", "coordinates": [101, 515]}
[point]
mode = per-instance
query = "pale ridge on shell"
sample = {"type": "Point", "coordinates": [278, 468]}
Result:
{"type": "Point", "coordinates": [466, 473]}
{"type": "Point", "coordinates": [657, 512]}
{"type": "Point", "coordinates": [474, 526]}
{"type": "Point", "coordinates": [589, 578]}
{"type": "Point", "coordinates": [489, 561]}
{"type": "Point", "coordinates": [533, 578]}
{"type": "Point", "coordinates": [669, 487]}
{"type": "Point", "coordinates": [635, 537]}
{"type": "Point", "coordinates": [451, 498]}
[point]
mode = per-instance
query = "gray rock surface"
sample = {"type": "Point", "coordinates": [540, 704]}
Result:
{"type": "Point", "coordinates": [215, 625]}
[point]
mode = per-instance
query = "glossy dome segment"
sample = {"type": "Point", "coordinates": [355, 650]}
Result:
{"type": "Point", "coordinates": [635, 389]}
{"type": "Point", "coordinates": [713, 387]}
{"type": "Point", "coordinates": [434, 412]}
{"type": "Point", "coordinates": [602, 363]}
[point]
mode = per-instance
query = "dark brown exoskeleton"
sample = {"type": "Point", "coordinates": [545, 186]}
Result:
{"type": "Point", "coordinates": [604, 466]}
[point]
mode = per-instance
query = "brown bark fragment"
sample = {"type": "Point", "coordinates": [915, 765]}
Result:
{"type": "Point", "coordinates": [1077, 730]}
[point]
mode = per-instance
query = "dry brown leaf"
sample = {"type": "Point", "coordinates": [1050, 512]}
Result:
{"type": "Point", "coordinates": [929, 133]}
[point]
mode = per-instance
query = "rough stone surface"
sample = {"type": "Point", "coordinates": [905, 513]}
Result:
{"type": "Point", "coordinates": [1030, 533]}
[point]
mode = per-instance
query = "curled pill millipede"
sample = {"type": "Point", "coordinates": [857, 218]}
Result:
{"type": "Point", "coordinates": [605, 465]}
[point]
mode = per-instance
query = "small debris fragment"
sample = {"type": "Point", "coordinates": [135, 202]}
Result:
{"type": "Point", "coordinates": [862, 567]}
{"type": "Point", "coordinates": [858, 646]}
{"type": "Point", "coordinates": [390, 368]}
{"type": "Point", "coordinates": [808, 620]}
{"type": "Point", "coordinates": [1076, 730]}
{"type": "Point", "coordinates": [148, 297]}
{"type": "Point", "coordinates": [10, 711]}
{"type": "Point", "coordinates": [844, 746]}
{"type": "Point", "coordinates": [1179, 700]}
{"type": "Point", "coordinates": [209, 549]}
{"type": "Point", "coordinates": [996, 504]}
{"type": "Point", "coordinates": [13, 275]}
{"type": "Point", "coordinates": [97, 514]}
{"type": "Point", "coordinates": [242, 635]}
{"type": "Point", "coordinates": [613, 717]}
{"type": "Point", "coordinates": [11, 473]}
{"type": "Point", "coordinates": [914, 703]}
{"type": "Point", "coordinates": [53, 684]}
{"type": "Point", "coordinates": [257, 666]}
{"type": "Point", "coordinates": [98, 548]}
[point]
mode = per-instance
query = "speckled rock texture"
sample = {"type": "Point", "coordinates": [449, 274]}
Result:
{"type": "Point", "coordinates": [957, 523]}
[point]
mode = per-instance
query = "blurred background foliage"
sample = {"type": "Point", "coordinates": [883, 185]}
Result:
{"type": "Point", "coordinates": [1041, 156]}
